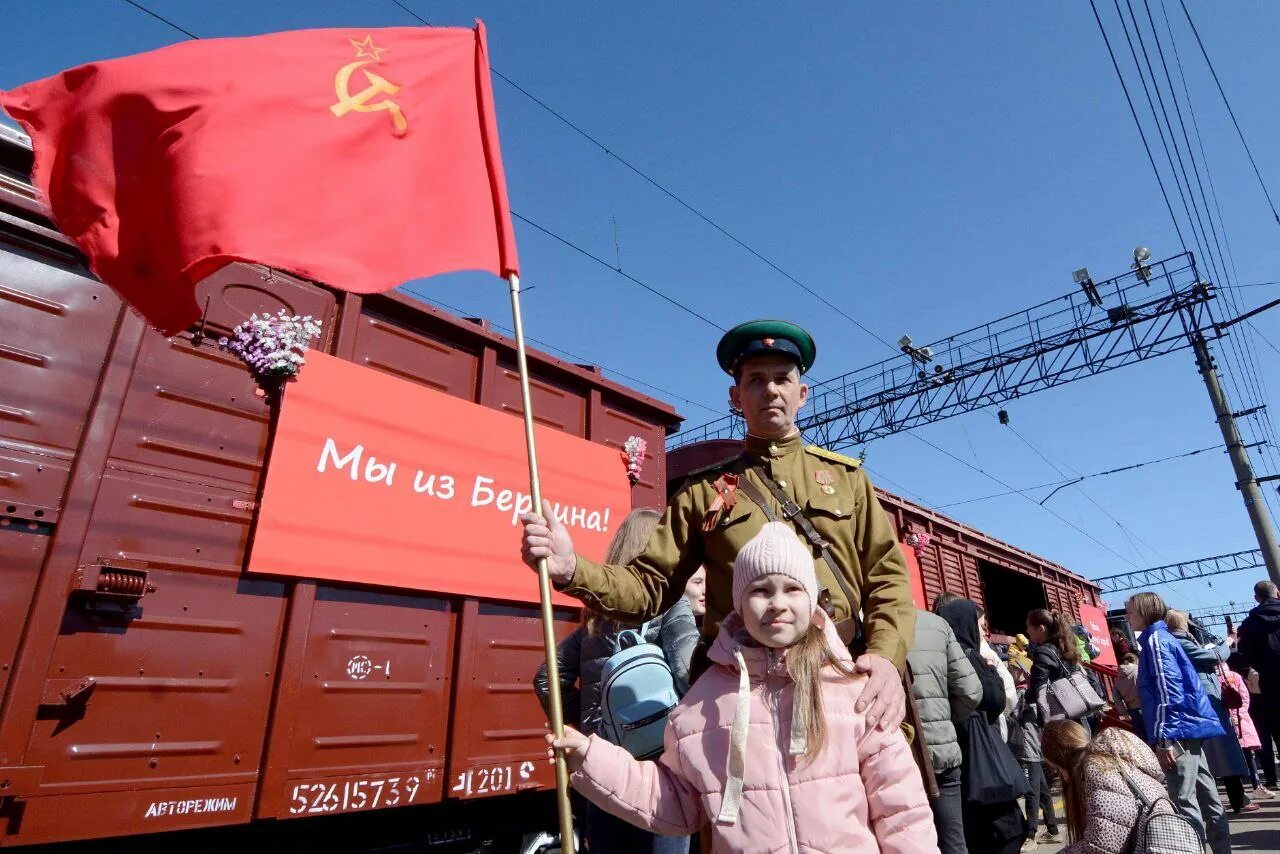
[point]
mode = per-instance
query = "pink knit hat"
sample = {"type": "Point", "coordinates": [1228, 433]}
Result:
{"type": "Point", "coordinates": [776, 550]}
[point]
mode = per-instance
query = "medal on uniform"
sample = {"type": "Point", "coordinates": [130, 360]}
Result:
{"type": "Point", "coordinates": [726, 487]}
{"type": "Point", "coordinates": [825, 480]}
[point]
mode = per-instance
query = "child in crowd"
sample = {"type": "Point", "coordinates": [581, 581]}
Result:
{"type": "Point", "coordinates": [767, 745]}
{"type": "Point", "coordinates": [582, 656]}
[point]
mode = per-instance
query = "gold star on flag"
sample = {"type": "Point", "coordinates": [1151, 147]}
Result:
{"type": "Point", "coordinates": [366, 48]}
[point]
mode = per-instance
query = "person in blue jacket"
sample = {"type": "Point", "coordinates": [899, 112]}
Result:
{"type": "Point", "coordinates": [1178, 718]}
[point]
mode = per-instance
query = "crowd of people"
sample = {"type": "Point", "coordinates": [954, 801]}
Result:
{"type": "Point", "coordinates": [1189, 715]}
{"type": "Point", "coordinates": [807, 705]}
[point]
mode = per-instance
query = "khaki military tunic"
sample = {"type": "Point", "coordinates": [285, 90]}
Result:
{"type": "Point", "coordinates": [836, 496]}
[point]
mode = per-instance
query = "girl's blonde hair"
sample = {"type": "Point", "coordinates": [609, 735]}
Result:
{"type": "Point", "coordinates": [806, 659]}
{"type": "Point", "coordinates": [1148, 605]}
{"type": "Point", "coordinates": [628, 541]}
{"type": "Point", "coordinates": [1067, 747]}
{"type": "Point", "coordinates": [1177, 621]}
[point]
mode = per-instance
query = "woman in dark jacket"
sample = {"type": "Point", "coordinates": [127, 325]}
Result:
{"type": "Point", "coordinates": [995, 828]}
{"type": "Point", "coordinates": [581, 658]}
{"type": "Point", "coordinates": [1055, 654]}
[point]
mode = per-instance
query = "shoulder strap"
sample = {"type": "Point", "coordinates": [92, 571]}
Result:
{"type": "Point", "coordinates": [1144, 813]}
{"type": "Point", "coordinates": [795, 515]}
{"type": "Point", "coordinates": [753, 492]}
{"type": "Point", "coordinates": [1133, 787]}
{"type": "Point", "coordinates": [832, 456]}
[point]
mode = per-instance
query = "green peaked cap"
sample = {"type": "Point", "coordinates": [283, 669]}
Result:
{"type": "Point", "coordinates": [766, 336]}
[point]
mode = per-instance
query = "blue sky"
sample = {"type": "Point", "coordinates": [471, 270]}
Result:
{"type": "Point", "coordinates": [925, 166]}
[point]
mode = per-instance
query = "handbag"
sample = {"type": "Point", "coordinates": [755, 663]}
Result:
{"type": "Point", "coordinates": [1069, 697]}
{"type": "Point", "coordinates": [990, 774]}
{"type": "Point", "coordinates": [1160, 828]}
{"type": "Point", "coordinates": [1230, 695]}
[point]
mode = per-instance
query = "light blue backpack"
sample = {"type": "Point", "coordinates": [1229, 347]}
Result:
{"type": "Point", "coordinates": [637, 692]}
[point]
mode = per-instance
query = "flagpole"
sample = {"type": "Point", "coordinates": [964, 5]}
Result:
{"type": "Point", "coordinates": [544, 581]}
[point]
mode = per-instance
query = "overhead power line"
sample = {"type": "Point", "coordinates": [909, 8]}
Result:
{"type": "Point", "coordinates": [1237, 350]}
{"type": "Point", "coordinates": [671, 194]}
{"type": "Point", "coordinates": [1160, 127]}
{"type": "Point", "coordinates": [162, 19]}
{"type": "Point", "coordinates": [1243, 347]}
{"type": "Point", "coordinates": [552, 347]}
{"type": "Point", "coordinates": [1048, 510]}
{"type": "Point", "coordinates": [1251, 285]}
{"type": "Point", "coordinates": [1125, 530]}
{"type": "Point", "coordinates": [1071, 481]}
{"type": "Point", "coordinates": [1230, 111]}
{"type": "Point", "coordinates": [1142, 133]}
{"type": "Point", "coordinates": [602, 262]}
{"type": "Point", "coordinates": [1264, 338]}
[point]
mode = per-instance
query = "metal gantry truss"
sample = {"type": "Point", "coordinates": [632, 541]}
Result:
{"type": "Point", "coordinates": [1236, 611]}
{"type": "Point", "coordinates": [1096, 329]}
{"type": "Point", "coordinates": [1200, 568]}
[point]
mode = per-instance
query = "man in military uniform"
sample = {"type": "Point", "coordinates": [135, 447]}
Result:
{"type": "Point", "coordinates": [826, 496]}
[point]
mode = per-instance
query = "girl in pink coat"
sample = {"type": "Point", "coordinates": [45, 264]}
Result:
{"type": "Point", "coordinates": [767, 745]}
{"type": "Point", "coordinates": [1246, 732]}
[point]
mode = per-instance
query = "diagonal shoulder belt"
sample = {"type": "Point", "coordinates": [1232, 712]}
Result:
{"type": "Point", "coordinates": [791, 511]}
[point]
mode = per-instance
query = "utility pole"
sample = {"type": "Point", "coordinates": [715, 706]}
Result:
{"type": "Point", "coordinates": [1245, 480]}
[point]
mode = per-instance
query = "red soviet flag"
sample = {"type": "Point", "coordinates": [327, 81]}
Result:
{"type": "Point", "coordinates": [357, 158]}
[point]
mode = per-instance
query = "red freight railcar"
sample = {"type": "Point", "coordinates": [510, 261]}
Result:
{"type": "Point", "coordinates": [148, 683]}
{"type": "Point", "coordinates": [957, 558]}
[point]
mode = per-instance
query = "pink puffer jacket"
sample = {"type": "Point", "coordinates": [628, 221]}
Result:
{"type": "Point", "coordinates": [1246, 732]}
{"type": "Point", "coordinates": [861, 794]}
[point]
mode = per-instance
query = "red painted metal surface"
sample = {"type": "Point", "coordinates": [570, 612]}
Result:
{"type": "Point", "coordinates": [497, 744]}
{"type": "Point", "coordinates": [147, 684]}
{"type": "Point", "coordinates": [379, 665]}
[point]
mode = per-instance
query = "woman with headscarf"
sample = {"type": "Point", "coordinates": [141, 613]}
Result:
{"type": "Point", "coordinates": [999, 827]}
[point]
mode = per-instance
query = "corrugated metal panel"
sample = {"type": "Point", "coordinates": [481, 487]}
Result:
{"type": "Point", "coordinates": [57, 326]}
{"type": "Point", "coordinates": [196, 410]}
{"type": "Point", "coordinates": [48, 378]}
{"type": "Point", "coordinates": [496, 744]}
{"type": "Point", "coordinates": [554, 405]}
{"type": "Point", "coordinates": [972, 578]}
{"type": "Point", "coordinates": [187, 671]}
{"type": "Point", "coordinates": [31, 489]}
{"type": "Point", "coordinates": [393, 348]}
{"type": "Point", "coordinates": [931, 573]}
{"type": "Point", "coordinates": [952, 571]}
{"type": "Point", "coordinates": [613, 425]}
{"type": "Point", "coordinates": [367, 726]}
{"type": "Point", "coordinates": [179, 684]}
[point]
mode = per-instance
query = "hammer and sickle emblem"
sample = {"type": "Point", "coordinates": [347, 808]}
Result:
{"type": "Point", "coordinates": [360, 101]}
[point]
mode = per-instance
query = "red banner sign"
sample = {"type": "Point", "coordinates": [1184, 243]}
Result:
{"type": "Point", "coordinates": [1094, 619]}
{"type": "Point", "coordinates": [376, 480]}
